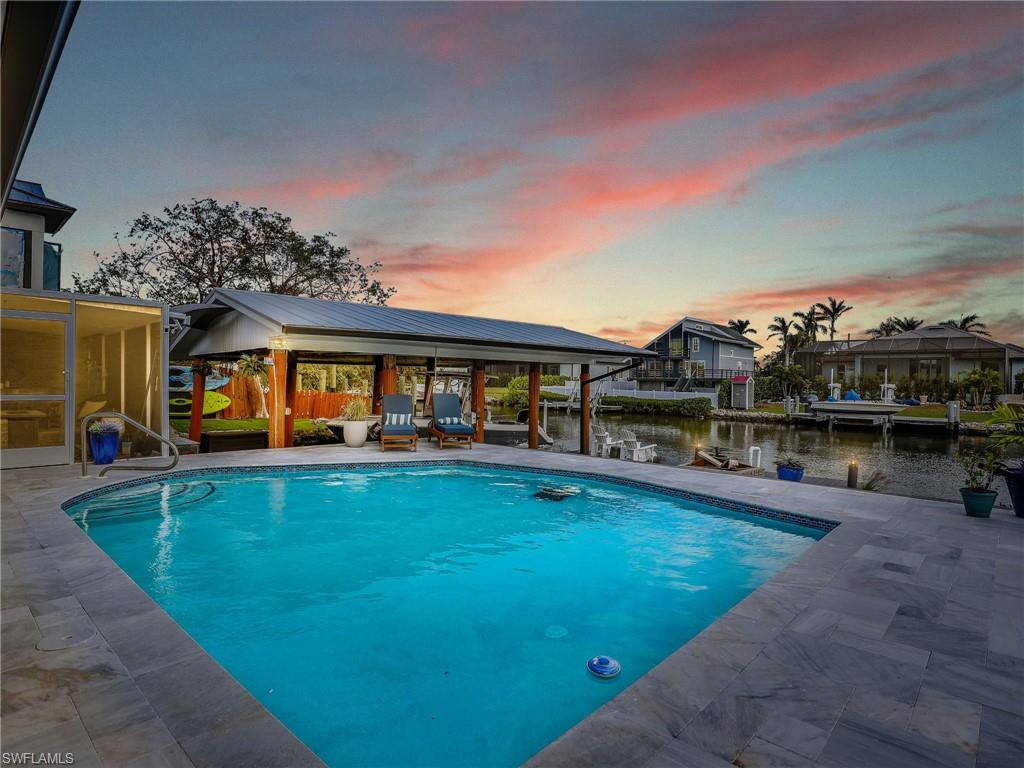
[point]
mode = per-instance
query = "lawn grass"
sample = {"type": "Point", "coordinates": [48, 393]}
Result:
{"type": "Point", "coordinates": [249, 425]}
{"type": "Point", "coordinates": [495, 391]}
{"type": "Point", "coordinates": [769, 408]}
{"type": "Point", "coordinates": [938, 411]}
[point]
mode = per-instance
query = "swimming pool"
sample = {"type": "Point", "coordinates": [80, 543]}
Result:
{"type": "Point", "coordinates": [421, 614]}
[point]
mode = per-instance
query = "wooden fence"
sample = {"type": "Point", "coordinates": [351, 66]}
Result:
{"type": "Point", "coordinates": [309, 404]}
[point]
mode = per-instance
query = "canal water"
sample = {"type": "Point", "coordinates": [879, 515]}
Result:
{"type": "Point", "coordinates": [914, 464]}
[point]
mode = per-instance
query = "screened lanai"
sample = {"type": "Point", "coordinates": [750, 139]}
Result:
{"type": "Point", "coordinates": [288, 330]}
{"type": "Point", "coordinates": [64, 356]}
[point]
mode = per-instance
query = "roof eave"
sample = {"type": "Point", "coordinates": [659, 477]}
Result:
{"type": "Point", "coordinates": [54, 217]}
{"type": "Point", "coordinates": [469, 341]}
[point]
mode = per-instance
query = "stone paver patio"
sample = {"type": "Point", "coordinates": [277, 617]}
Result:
{"type": "Point", "coordinates": [896, 640]}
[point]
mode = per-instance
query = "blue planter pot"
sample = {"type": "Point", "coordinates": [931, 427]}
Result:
{"type": "Point", "coordinates": [978, 503]}
{"type": "Point", "coordinates": [793, 474]}
{"type": "Point", "coordinates": [104, 446]}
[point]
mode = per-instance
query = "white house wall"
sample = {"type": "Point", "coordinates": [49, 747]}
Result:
{"type": "Point", "coordinates": [231, 332]}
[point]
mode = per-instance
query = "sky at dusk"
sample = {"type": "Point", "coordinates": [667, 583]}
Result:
{"type": "Point", "coordinates": [605, 167]}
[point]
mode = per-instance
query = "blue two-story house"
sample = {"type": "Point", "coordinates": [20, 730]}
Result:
{"type": "Point", "coordinates": [696, 352]}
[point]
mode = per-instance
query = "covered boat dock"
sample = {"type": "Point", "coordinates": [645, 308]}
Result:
{"type": "Point", "coordinates": [288, 330]}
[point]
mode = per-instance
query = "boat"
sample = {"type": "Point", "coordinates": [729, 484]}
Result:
{"type": "Point", "coordinates": [856, 407]}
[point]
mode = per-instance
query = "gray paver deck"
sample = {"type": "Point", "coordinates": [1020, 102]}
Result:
{"type": "Point", "coordinates": [896, 640]}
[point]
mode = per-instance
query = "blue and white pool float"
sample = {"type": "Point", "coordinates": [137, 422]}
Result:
{"type": "Point", "coordinates": [604, 667]}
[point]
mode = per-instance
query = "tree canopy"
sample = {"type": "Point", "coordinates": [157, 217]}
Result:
{"type": "Point", "coordinates": [191, 248]}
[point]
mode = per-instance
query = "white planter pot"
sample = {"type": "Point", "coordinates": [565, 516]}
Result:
{"type": "Point", "coordinates": [355, 433]}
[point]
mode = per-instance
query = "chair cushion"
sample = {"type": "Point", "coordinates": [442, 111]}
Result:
{"type": "Point", "coordinates": [461, 428]}
{"type": "Point", "coordinates": [390, 430]}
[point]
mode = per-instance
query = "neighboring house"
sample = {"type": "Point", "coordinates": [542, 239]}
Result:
{"type": "Point", "coordinates": [932, 351]}
{"type": "Point", "coordinates": [697, 351]}
{"type": "Point", "coordinates": [27, 258]}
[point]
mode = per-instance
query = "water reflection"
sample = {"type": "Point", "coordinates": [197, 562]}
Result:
{"type": "Point", "coordinates": [916, 464]}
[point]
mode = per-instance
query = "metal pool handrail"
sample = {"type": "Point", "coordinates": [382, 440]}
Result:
{"type": "Point", "coordinates": [137, 425]}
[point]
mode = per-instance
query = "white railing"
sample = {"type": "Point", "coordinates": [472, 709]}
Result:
{"type": "Point", "coordinates": [571, 389]}
{"type": "Point", "coordinates": [137, 425]}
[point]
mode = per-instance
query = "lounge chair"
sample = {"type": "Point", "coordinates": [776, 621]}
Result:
{"type": "Point", "coordinates": [603, 442]}
{"type": "Point", "coordinates": [447, 424]}
{"type": "Point", "coordinates": [632, 450]}
{"type": "Point", "coordinates": [396, 426]}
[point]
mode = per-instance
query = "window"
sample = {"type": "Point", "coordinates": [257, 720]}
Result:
{"type": "Point", "coordinates": [52, 253]}
{"type": "Point", "coordinates": [930, 368]}
{"type": "Point", "coordinates": [15, 258]}
{"type": "Point", "coordinates": [695, 343]}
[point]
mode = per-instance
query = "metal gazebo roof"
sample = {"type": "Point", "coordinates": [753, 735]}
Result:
{"type": "Point", "coordinates": [303, 317]}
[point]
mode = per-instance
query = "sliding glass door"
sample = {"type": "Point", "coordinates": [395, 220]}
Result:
{"type": "Point", "coordinates": [35, 365]}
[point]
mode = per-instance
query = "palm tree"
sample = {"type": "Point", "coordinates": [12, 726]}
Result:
{"type": "Point", "coordinates": [781, 328]}
{"type": "Point", "coordinates": [832, 310]}
{"type": "Point", "coordinates": [885, 328]}
{"type": "Point", "coordinates": [971, 323]}
{"type": "Point", "coordinates": [893, 325]}
{"type": "Point", "coordinates": [810, 322]}
{"type": "Point", "coordinates": [904, 324]}
{"type": "Point", "coordinates": [742, 327]}
{"type": "Point", "coordinates": [252, 368]}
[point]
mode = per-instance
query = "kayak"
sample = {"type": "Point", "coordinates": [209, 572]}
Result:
{"type": "Point", "coordinates": [213, 402]}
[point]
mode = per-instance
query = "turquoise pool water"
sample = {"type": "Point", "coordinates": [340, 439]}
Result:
{"type": "Point", "coordinates": [432, 616]}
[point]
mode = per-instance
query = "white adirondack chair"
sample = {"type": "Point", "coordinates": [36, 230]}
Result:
{"type": "Point", "coordinates": [603, 442]}
{"type": "Point", "coordinates": [633, 450]}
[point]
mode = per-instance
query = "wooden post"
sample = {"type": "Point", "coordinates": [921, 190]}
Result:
{"type": "Point", "coordinates": [585, 409]}
{"type": "Point", "coordinates": [291, 379]}
{"type": "Point", "coordinates": [277, 374]}
{"type": "Point", "coordinates": [479, 403]}
{"type": "Point", "coordinates": [195, 424]}
{"type": "Point", "coordinates": [378, 369]}
{"type": "Point", "coordinates": [533, 439]}
{"type": "Point", "coordinates": [428, 384]}
{"type": "Point", "coordinates": [389, 375]}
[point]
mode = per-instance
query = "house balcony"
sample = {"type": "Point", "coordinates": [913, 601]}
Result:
{"type": "Point", "coordinates": [669, 370]}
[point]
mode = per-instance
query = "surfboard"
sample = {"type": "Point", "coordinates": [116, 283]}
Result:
{"type": "Point", "coordinates": [180, 379]}
{"type": "Point", "coordinates": [213, 402]}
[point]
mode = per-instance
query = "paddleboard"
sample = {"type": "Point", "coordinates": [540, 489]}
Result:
{"type": "Point", "coordinates": [213, 402]}
{"type": "Point", "coordinates": [180, 379]}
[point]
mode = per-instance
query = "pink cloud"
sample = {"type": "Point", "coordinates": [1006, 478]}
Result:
{"type": "Point", "coordinates": [779, 52]}
{"type": "Point", "coordinates": [306, 194]}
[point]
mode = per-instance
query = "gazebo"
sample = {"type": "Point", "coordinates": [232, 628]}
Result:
{"type": "Point", "coordinates": [288, 330]}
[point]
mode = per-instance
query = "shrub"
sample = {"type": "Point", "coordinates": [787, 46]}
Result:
{"type": "Point", "coordinates": [766, 388]}
{"type": "Point", "coordinates": [315, 434]}
{"type": "Point", "coordinates": [694, 408]}
{"type": "Point", "coordinates": [354, 410]}
{"type": "Point", "coordinates": [869, 386]}
{"type": "Point", "coordinates": [725, 394]}
{"type": "Point", "coordinates": [819, 386]}
{"type": "Point", "coordinates": [518, 395]}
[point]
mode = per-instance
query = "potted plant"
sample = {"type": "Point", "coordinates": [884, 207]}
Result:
{"type": "Point", "coordinates": [354, 426]}
{"type": "Point", "coordinates": [1012, 417]}
{"type": "Point", "coordinates": [789, 469]}
{"type": "Point", "coordinates": [104, 439]}
{"type": "Point", "coordinates": [980, 469]}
